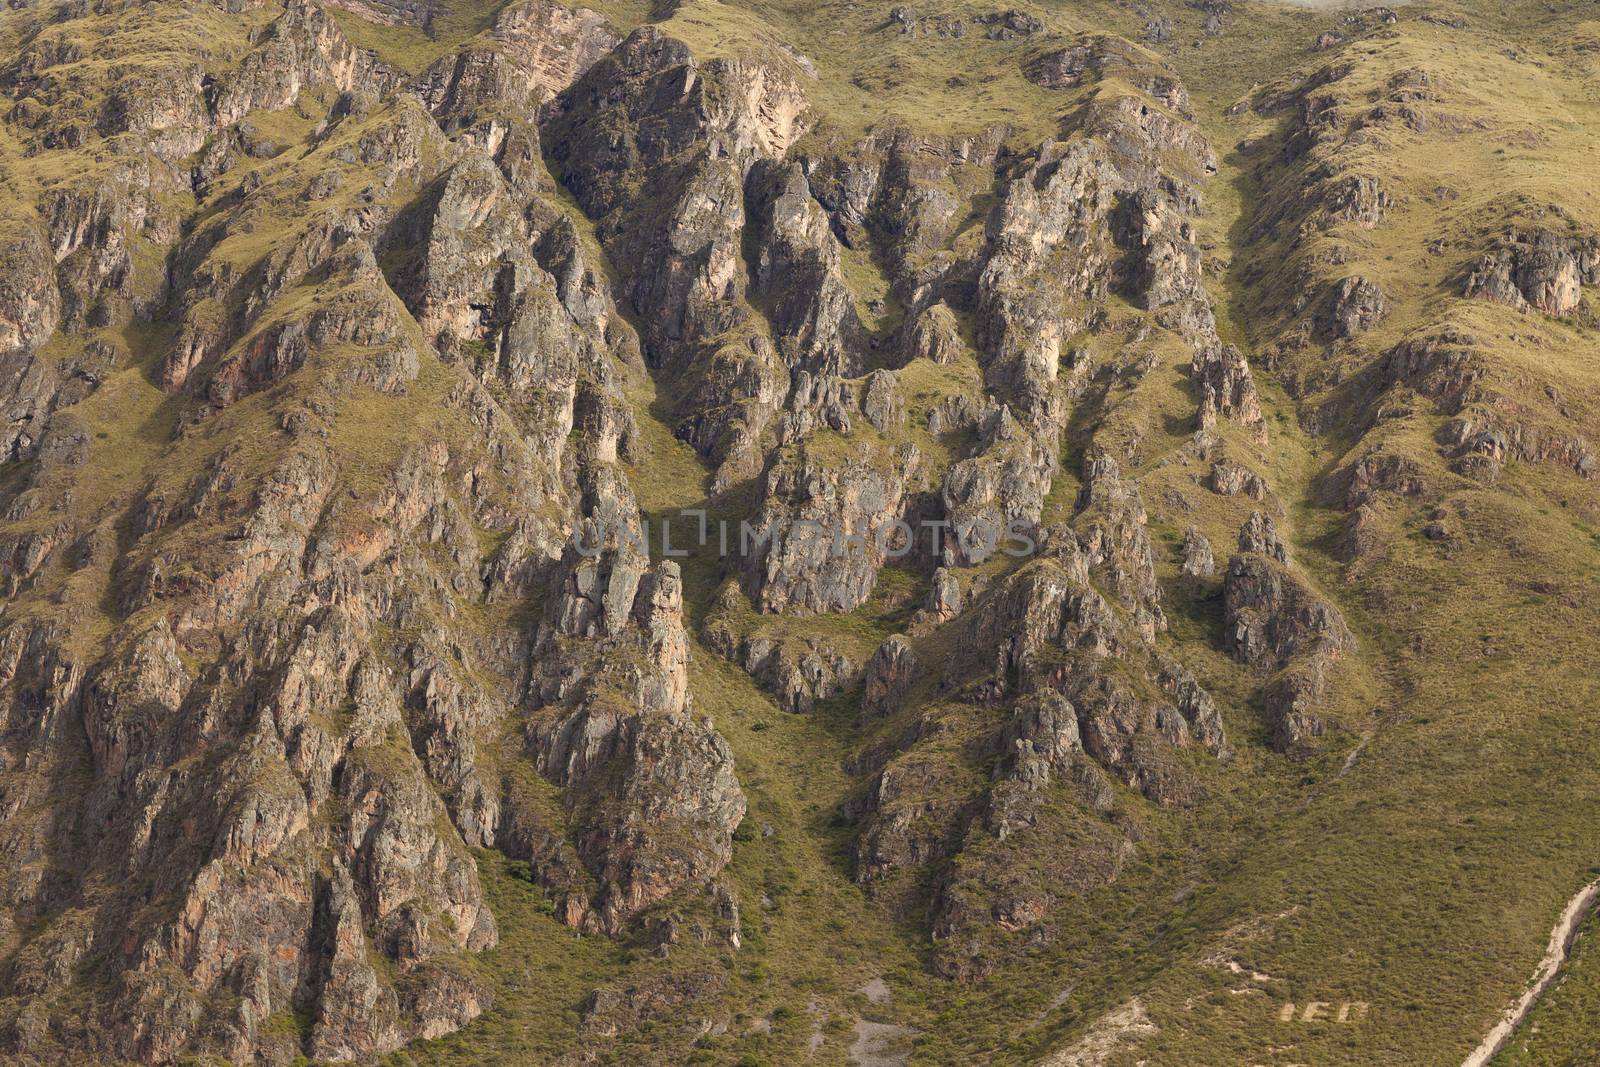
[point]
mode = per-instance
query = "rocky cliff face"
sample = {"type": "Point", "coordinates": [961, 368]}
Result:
{"type": "Point", "coordinates": [312, 609]}
{"type": "Point", "coordinates": [352, 351]}
{"type": "Point", "coordinates": [289, 692]}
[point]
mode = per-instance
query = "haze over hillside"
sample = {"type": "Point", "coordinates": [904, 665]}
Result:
{"type": "Point", "coordinates": [772, 532]}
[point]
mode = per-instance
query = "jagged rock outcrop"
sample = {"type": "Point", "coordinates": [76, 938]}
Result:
{"type": "Point", "coordinates": [1085, 214]}
{"type": "Point", "coordinates": [1259, 536]}
{"type": "Point", "coordinates": [1277, 624]}
{"type": "Point", "coordinates": [935, 335]}
{"type": "Point", "coordinates": [944, 595]}
{"type": "Point", "coordinates": [994, 25]}
{"type": "Point", "coordinates": [1539, 269]}
{"type": "Point", "coordinates": [1221, 376]}
{"type": "Point", "coordinates": [1488, 424]}
{"type": "Point", "coordinates": [1378, 473]}
{"type": "Point", "coordinates": [1354, 307]}
{"type": "Point", "coordinates": [655, 801]}
{"type": "Point", "coordinates": [828, 526]}
{"type": "Point", "coordinates": [1198, 559]}
{"type": "Point", "coordinates": [1073, 622]}
{"type": "Point", "coordinates": [1046, 641]}
{"type": "Point", "coordinates": [303, 47]}
{"type": "Point", "coordinates": [1361, 199]}
{"type": "Point", "coordinates": [293, 732]}
{"type": "Point", "coordinates": [1100, 56]}
{"type": "Point", "coordinates": [651, 793]}
{"type": "Point", "coordinates": [798, 275]}
{"type": "Point", "coordinates": [30, 310]}
{"type": "Point", "coordinates": [800, 674]}
{"type": "Point", "coordinates": [890, 673]}
{"type": "Point", "coordinates": [1234, 479]}
{"type": "Point", "coordinates": [555, 42]}
{"type": "Point", "coordinates": [997, 492]}
{"type": "Point", "coordinates": [1076, 723]}
{"type": "Point", "coordinates": [671, 194]}
{"type": "Point", "coordinates": [610, 1011]}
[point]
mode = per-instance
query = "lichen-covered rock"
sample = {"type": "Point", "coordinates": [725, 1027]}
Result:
{"type": "Point", "coordinates": [1116, 537]}
{"type": "Point", "coordinates": [1051, 241]}
{"type": "Point", "coordinates": [1008, 25]}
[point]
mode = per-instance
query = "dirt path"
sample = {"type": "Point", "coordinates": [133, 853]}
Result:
{"type": "Point", "coordinates": [1578, 909]}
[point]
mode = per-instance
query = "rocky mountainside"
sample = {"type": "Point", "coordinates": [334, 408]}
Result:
{"type": "Point", "coordinates": [844, 533]}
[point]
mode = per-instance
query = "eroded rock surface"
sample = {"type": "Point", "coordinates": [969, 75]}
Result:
{"type": "Point", "coordinates": [1540, 270]}
{"type": "Point", "coordinates": [332, 390]}
{"type": "Point", "coordinates": [294, 733]}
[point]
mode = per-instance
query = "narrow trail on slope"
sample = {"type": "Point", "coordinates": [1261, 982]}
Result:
{"type": "Point", "coordinates": [1561, 938]}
